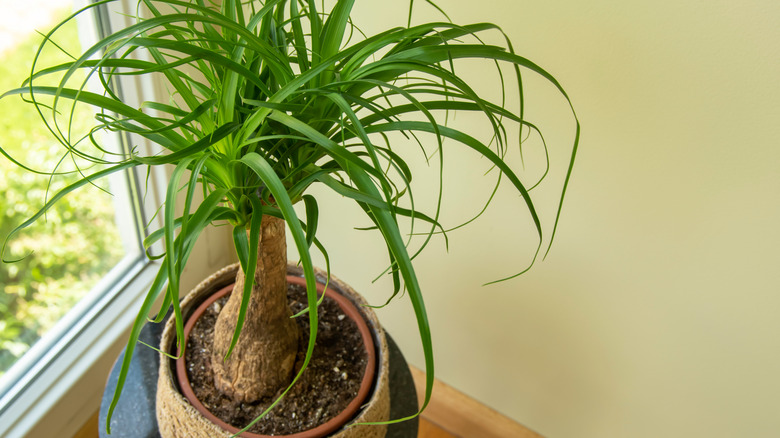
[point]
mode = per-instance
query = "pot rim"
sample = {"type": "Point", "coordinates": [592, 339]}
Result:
{"type": "Point", "coordinates": [329, 426]}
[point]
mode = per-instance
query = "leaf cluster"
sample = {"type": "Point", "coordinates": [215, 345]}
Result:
{"type": "Point", "coordinates": [268, 98]}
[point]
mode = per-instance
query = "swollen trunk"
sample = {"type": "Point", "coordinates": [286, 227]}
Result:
{"type": "Point", "coordinates": [262, 361]}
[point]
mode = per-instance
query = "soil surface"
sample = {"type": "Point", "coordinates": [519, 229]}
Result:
{"type": "Point", "coordinates": [328, 384]}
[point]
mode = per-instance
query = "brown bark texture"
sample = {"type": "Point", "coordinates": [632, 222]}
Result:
{"type": "Point", "coordinates": [263, 359]}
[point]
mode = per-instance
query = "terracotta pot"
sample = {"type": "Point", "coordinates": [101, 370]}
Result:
{"type": "Point", "coordinates": [320, 431]}
{"type": "Point", "coordinates": [180, 418]}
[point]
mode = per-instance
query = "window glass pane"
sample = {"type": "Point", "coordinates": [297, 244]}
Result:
{"type": "Point", "coordinates": [78, 242]}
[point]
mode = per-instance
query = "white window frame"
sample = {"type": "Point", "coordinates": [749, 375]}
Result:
{"type": "Point", "coordinates": [63, 389]}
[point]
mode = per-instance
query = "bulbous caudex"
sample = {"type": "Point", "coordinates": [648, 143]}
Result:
{"type": "Point", "coordinates": [262, 361]}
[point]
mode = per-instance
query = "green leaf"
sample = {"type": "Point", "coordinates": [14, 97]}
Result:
{"type": "Point", "coordinates": [171, 255]}
{"type": "Point", "coordinates": [195, 148]}
{"type": "Point", "coordinates": [312, 217]}
{"type": "Point", "coordinates": [157, 286]}
{"type": "Point", "coordinates": [249, 266]}
{"type": "Point", "coordinates": [241, 243]}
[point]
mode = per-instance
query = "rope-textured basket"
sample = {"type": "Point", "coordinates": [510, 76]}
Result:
{"type": "Point", "coordinates": [178, 419]}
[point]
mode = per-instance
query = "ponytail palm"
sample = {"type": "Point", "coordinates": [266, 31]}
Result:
{"type": "Point", "coordinates": [268, 99]}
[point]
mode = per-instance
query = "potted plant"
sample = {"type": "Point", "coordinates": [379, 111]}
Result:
{"type": "Point", "coordinates": [268, 98]}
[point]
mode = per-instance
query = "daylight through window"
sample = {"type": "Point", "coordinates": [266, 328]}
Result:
{"type": "Point", "coordinates": [79, 241]}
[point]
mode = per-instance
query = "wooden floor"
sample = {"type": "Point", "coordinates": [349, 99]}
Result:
{"type": "Point", "coordinates": [431, 430]}
{"type": "Point", "coordinates": [450, 414]}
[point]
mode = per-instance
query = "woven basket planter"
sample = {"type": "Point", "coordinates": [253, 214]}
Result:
{"type": "Point", "coordinates": [177, 418]}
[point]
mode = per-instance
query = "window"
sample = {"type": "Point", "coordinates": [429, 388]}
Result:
{"type": "Point", "coordinates": [63, 307]}
{"type": "Point", "coordinates": [79, 242]}
{"type": "Point", "coordinates": [58, 384]}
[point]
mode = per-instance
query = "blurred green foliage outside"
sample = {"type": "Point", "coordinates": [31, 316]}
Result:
{"type": "Point", "coordinates": [74, 247]}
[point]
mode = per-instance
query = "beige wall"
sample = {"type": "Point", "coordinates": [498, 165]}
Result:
{"type": "Point", "coordinates": [657, 312]}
